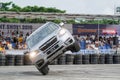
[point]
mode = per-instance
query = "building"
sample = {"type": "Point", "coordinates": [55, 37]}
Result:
{"type": "Point", "coordinates": [53, 16]}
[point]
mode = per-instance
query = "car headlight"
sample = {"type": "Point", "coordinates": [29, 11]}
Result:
{"type": "Point", "coordinates": [62, 32]}
{"type": "Point", "coordinates": [34, 53]}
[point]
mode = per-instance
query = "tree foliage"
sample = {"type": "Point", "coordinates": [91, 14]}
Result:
{"type": "Point", "coordinates": [24, 20]}
{"type": "Point", "coordinates": [43, 20]}
{"type": "Point", "coordinates": [10, 6]}
{"type": "Point", "coordinates": [5, 6]}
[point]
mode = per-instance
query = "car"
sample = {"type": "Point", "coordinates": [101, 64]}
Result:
{"type": "Point", "coordinates": [47, 43]}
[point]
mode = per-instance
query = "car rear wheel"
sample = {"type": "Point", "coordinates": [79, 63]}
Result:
{"type": "Point", "coordinates": [75, 47]}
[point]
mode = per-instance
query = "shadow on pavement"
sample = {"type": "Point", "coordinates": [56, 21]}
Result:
{"type": "Point", "coordinates": [32, 73]}
{"type": "Point", "coordinates": [37, 73]}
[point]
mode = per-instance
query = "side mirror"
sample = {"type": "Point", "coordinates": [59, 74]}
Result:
{"type": "Point", "coordinates": [61, 24]}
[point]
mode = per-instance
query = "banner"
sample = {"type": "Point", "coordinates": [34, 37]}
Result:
{"type": "Point", "coordinates": [95, 29]}
{"type": "Point", "coordinates": [15, 26]}
{"type": "Point", "coordinates": [10, 29]}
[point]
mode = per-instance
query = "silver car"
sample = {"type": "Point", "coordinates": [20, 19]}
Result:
{"type": "Point", "coordinates": [47, 43]}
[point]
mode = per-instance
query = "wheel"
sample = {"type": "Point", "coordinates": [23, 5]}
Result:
{"type": "Point", "coordinates": [75, 47]}
{"type": "Point", "coordinates": [44, 70]}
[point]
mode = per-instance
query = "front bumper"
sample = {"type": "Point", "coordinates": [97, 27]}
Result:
{"type": "Point", "coordinates": [42, 59]}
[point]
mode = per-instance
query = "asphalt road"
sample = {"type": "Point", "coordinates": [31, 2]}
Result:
{"type": "Point", "coordinates": [62, 72]}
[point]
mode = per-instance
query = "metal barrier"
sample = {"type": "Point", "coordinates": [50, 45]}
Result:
{"type": "Point", "coordinates": [2, 60]}
{"type": "Point", "coordinates": [61, 59]}
{"type": "Point", "coordinates": [10, 60]}
{"type": "Point", "coordinates": [15, 52]}
{"type": "Point", "coordinates": [19, 60]}
{"type": "Point", "coordinates": [77, 59]}
{"type": "Point", "coordinates": [111, 56]}
{"type": "Point", "coordinates": [102, 51]}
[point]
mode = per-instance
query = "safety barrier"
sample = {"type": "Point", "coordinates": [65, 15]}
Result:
{"type": "Point", "coordinates": [116, 59]}
{"type": "Point", "coordinates": [101, 59]}
{"type": "Point", "coordinates": [2, 60]}
{"type": "Point", "coordinates": [77, 59]}
{"type": "Point", "coordinates": [99, 51]}
{"type": "Point", "coordinates": [81, 57]}
{"type": "Point", "coordinates": [27, 60]}
{"type": "Point", "coordinates": [10, 60]}
{"type": "Point", "coordinates": [92, 59]}
{"type": "Point", "coordinates": [85, 59]}
{"type": "Point", "coordinates": [19, 60]}
{"type": "Point", "coordinates": [61, 60]}
{"type": "Point", "coordinates": [69, 59]}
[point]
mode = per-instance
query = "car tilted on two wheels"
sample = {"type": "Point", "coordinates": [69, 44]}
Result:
{"type": "Point", "coordinates": [47, 43]}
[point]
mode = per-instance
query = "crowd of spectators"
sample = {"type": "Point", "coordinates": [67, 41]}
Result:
{"type": "Point", "coordinates": [88, 42]}
{"type": "Point", "coordinates": [13, 41]}
{"type": "Point", "coordinates": [93, 42]}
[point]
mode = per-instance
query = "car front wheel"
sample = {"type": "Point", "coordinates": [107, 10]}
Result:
{"type": "Point", "coordinates": [44, 70]}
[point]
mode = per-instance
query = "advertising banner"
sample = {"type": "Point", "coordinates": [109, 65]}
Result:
{"type": "Point", "coordinates": [9, 29]}
{"type": "Point", "coordinates": [95, 29]}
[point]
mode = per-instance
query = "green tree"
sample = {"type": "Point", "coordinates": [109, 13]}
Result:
{"type": "Point", "coordinates": [15, 8]}
{"type": "Point", "coordinates": [26, 9]}
{"type": "Point", "coordinates": [5, 6]}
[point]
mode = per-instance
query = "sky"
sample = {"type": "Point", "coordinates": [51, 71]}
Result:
{"type": "Point", "coordinates": [74, 6]}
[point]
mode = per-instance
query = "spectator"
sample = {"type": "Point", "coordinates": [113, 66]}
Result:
{"type": "Point", "coordinates": [3, 42]}
{"type": "Point", "coordinates": [2, 49]}
{"type": "Point", "coordinates": [8, 39]}
{"type": "Point", "coordinates": [82, 43]}
{"type": "Point", "coordinates": [25, 46]}
{"type": "Point", "coordinates": [9, 45]}
{"type": "Point", "coordinates": [94, 46]}
{"type": "Point", "coordinates": [76, 38]}
{"type": "Point", "coordinates": [101, 46]}
{"type": "Point", "coordinates": [88, 40]}
{"type": "Point", "coordinates": [20, 39]}
{"type": "Point", "coordinates": [14, 42]}
{"type": "Point", "coordinates": [107, 46]}
{"type": "Point", "coordinates": [20, 46]}
{"type": "Point", "coordinates": [89, 47]}
{"type": "Point", "coordinates": [6, 47]}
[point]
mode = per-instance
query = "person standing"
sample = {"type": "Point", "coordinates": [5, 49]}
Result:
{"type": "Point", "coordinates": [2, 49]}
{"type": "Point", "coordinates": [83, 44]}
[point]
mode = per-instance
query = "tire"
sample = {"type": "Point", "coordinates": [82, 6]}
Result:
{"type": "Point", "coordinates": [75, 47]}
{"type": "Point", "coordinates": [44, 70]}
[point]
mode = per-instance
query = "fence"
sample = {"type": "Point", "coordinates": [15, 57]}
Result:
{"type": "Point", "coordinates": [102, 51]}
{"type": "Point", "coordinates": [18, 58]}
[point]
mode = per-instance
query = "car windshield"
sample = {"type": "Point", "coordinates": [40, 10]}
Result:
{"type": "Point", "coordinates": [41, 34]}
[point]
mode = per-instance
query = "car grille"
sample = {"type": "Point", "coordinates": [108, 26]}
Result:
{"type": "Point", "coordinates": [55, 52]}
{"type": "Point", "coordinates": [48, 43]}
